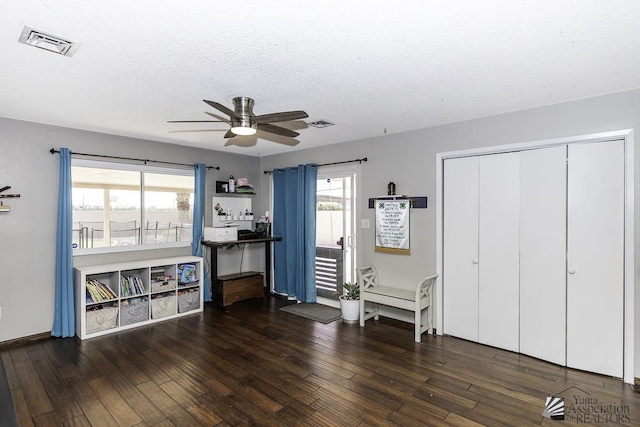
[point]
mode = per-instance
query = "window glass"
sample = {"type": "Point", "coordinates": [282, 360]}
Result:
{"type": "Point", "coordinates": [168, 208]}
{"type": "Point", "coordinates": [329, 212]}
{"type": "Point", "coordinates": [123, 205]}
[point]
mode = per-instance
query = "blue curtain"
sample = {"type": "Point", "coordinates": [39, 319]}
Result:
{"type": "Point", "coordinates": [198, 223]}
{"type": "Point", "coordinates": [294, 218]}
{"type": "Point", "coordinates": [64, 314]}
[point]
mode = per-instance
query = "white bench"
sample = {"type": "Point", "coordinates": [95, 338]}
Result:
{"type": "Point", "coordinates": [416, 300]}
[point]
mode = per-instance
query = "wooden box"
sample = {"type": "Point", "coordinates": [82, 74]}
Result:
{"type": "Point", "coordinates": [238, 287]}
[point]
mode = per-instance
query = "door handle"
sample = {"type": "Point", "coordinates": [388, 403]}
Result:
{"type": "Point", "coordinates": [571, 271]}
{"type": "Point", "coordinates": [475, 260]}
{"type": "Point", "coordinates": [350, 241]}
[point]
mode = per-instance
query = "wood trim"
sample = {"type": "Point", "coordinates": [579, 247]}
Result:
{"type": "Point", "coordinates": [393, 250]}
{"type": "Point", "coordinates": [24, 340]}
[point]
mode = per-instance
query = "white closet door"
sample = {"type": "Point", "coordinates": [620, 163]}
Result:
{"type": "Point", "coordinates": [460, 240]}
{"type": "Point", "coordinates": [498, 230]}
{"type": "Point", "coordinates": [543, 217]}
{"type": "Point", "coordinates": [595, 242]}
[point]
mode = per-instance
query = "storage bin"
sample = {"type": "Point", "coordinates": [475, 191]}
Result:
{"type": "Point", "coordinates": [164, 306]}
{"type": "Point", "coordinates": [134, 311]}
{"type": "Point", "coordinates": [188, 301]}
{"type": "Point", "coordinates": [164, 285]}
{"type": "Point", "coordinates": [238, 287]}
{"type": "Point", "coordinates": [102, 319]}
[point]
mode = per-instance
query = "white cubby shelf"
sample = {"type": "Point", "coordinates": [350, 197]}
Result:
{"type": "Point", "coordinates": [115, 297]}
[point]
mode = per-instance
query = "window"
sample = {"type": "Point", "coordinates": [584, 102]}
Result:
{"type": "Point", "coordinates": [117, 205]}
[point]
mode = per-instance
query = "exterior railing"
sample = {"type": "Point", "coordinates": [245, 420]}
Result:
{"type": "Point", "coordinates": [86, 234]}
{"type": "Point", "coordinates": [329, 271]}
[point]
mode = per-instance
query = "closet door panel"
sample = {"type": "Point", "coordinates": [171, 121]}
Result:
{"type": "Point", "coordinates": [460, 240]}
{"type": "Point", "coordinates": [595, 242]}
{"type": "Point", "coordinates": [498, 230]}
{"type": "Point", "coordinates": [543, 217]}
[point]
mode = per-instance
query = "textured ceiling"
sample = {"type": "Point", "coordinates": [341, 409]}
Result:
{"type": "Point", "coordinates": [370, 67]}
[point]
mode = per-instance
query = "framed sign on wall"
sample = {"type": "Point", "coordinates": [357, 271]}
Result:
{"type": "Point", "coordinates": [393, 221]}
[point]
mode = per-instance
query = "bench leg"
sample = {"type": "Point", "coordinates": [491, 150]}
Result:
{"type": "Point", "coordinates": [418, 325]}
{"type": "Point", "coordinates": [366, 315]}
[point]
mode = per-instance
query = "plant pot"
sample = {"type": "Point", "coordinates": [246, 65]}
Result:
{"type": "Point", "coordinates": [350, 310]}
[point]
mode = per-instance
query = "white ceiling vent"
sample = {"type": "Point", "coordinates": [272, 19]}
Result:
{"type": "Point", "coordinates": [48, 42]}
{"type": "Point", "coordinates": [321, 124]}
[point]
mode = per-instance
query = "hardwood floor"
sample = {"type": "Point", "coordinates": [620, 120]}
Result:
{"type": "Point", "coordinates": [256, 365]}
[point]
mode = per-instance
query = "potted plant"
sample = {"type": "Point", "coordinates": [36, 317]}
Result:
{"type": "Point", "coordinates": [350, 302]}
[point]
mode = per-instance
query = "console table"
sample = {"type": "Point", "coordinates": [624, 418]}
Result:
{"type": "Point", "coordinates": [267, 241]}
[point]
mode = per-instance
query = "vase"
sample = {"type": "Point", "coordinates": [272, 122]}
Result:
{"type": "Point", "coordinates": [350, 310]}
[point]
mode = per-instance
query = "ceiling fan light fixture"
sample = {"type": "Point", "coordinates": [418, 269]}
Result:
{"type": "Point", "coordinates": [243, 127]}
{"type": "Point", "coordinates": [245, 123]}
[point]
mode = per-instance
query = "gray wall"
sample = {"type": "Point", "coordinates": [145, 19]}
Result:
{"type": "Point", "coordinates": [28, 232]}
{"type": "Point", "coordinates": [408, 159]}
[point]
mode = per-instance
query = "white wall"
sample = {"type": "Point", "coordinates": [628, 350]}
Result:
{"type": "Point", "coordinates": [28, 232]}
{"type": "Point", "coordinates": [408, 159]}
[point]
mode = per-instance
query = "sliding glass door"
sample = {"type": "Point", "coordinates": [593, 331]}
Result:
{"type": "Point", "coordinates": [335, 231]}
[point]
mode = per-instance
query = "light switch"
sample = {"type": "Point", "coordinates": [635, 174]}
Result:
{"type": "Point", "coordinates": [364, 223]}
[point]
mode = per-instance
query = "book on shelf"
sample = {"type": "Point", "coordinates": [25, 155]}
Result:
{"type": "Point", "coordinates": [130, 286]}
{"type": "Point", "coordinates": [98, 291]}
{"type": "Point", "coordinates": [187, 273]}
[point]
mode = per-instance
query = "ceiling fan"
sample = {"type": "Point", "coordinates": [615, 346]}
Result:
{"type": "Point", "coordinates": [244, 122]}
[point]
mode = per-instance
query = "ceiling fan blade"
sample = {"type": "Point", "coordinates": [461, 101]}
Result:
{"type": "Point", "coordinates": [229, 134]}
{"type": "Point", "coordinates": [197, 121]}
{"type": "Point", "coordinates": [277, 130]}
{"type": "Point", "coordinates": [229, 112]}
{"type": "Point", "coordinates": [284, 116]}
{"type": "Point", "coordinates": [215, 115]}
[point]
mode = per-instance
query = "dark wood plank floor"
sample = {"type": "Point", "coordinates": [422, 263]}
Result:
{"type": "Point", "coordinates": [255, 365]}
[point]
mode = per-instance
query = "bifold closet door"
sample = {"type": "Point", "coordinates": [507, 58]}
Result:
{"type": "Point", "coordinates": [595, 241]}
{"type": "Point", "coordinates": [498, 231]}
{"type": "Point", "coordinates": [460, 241]}
{"type": "Point", "coordinates": [543, 218]}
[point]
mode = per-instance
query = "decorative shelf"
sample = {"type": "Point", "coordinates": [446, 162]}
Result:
{"type": "Point", "coordinates": [417, 202]}
{"type": "Point", "coordinates": [237, 194]}
{"type": "Point", "coordinates": [220, 190]}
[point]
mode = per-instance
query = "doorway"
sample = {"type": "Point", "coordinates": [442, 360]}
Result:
{"type": "Point", "coordinates": [335, 231]}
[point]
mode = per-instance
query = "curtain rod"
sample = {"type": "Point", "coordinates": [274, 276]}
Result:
{"type": "Point", "coordinates": [364, 159]}
{"type": "Point", "coordinates": [53, 151]}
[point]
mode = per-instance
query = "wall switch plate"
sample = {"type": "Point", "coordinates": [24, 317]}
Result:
{"type": "Point", "coordinates": [364, 223]}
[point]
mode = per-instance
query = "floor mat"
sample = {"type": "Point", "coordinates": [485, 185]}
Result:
{"type": "Point", "coordinates": [318, 312]}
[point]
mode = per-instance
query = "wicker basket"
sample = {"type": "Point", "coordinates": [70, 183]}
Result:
{"type": "Point", "coordinates": [166, 285]}
{"type": "Point", "coordinates": [135, 312]}
{"type": "Point", "coordinates": [102, 319]}
{"type": "Point", "coordinates": [188, 301]}
{"type": "Point", "coordinates": [162, 307]}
